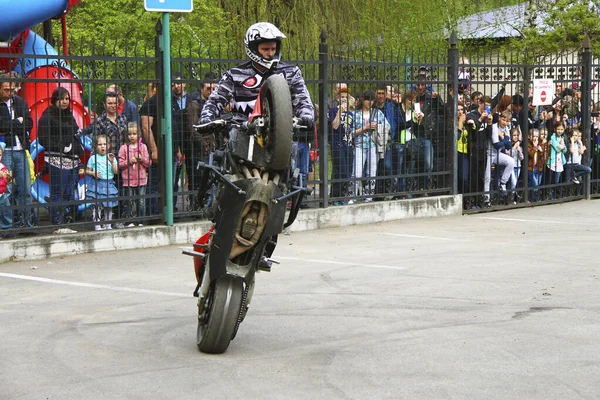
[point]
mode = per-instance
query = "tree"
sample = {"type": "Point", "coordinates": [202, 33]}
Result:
{"type": "Point", "coordinates": [126, 21]}
{"type": "Point", "coordinates": [564, 24]}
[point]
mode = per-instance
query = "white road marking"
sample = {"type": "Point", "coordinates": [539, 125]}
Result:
{"type": "Point", "coordinates": [524, 220]}
{"type": "Point", "coordinates": [462, 240]}
{"type": "Point", "coordinates": [535, 220]}
{"type": "Point", "coordinates": [424, 237]}
{"type": "Point", "coordinates": [92, 285]}
{"type": "Point", "coordinates": [345, 263]}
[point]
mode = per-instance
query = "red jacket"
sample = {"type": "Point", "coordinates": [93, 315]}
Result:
{"type": "Point", "coordinates": [3, 181]}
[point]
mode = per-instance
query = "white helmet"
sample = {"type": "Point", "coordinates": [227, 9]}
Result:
{"type": "Point", "coordinates": [263, 32]}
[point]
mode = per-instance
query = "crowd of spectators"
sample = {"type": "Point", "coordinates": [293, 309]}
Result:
{"type": "Point", "coordinates": [387, 142]}
{"type": "Point", "coordinates": [117, 178]}
{"type": "Point", "coordinates": [394, 143]}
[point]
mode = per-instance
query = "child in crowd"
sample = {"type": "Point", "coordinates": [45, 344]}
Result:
{"type": "Point", "coordinates": [134, 159]}
{"type": "Point", "coordinates": [574, 167]}
{"type": "Point", "coordinates": [558, 149]}
{"type": "Point", "coordinates": [516, 152]}
{"type": "Point", "coordinates": [500, 140]}
{"type": "Point", "coordinates": [102, 167]}
{"type": "Point", "coordinates": [535, 165]}
{"type": "Point", "coordinates": [5, 178]}
{"type": "Point", "coordinates": [545, 145]}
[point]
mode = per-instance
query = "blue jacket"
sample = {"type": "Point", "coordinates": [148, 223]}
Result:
{"type": "Point", "coordinates": [554, 142]}
{"type": "Point", "coordinates": [390, 110]}
{"type": "Point", "coordinates": [130, 111]}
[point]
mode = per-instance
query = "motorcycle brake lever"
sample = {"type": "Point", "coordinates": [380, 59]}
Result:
{"type": "Point", "coordinates": [296, 124]}
{"type": "Point", "coordinates": [209, 125]}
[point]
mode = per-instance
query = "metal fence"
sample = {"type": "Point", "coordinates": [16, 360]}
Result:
{"type": "Point", "coordinates": [421, 147]}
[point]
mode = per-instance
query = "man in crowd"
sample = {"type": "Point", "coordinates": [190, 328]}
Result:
{"type": "Point", "coordinates": [198, 145]}
{"type": "Point", "coordinates": [15, 125]}
{"type": "Point", "coordinates": [125, 106]}
{"type": "Point", "coordinates": [180, 103]}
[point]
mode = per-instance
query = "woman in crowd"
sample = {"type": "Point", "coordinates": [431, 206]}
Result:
{"type": "Point", "coordinates": [58, 133]}
{"type": "Point", "coordinates": [369, 130]}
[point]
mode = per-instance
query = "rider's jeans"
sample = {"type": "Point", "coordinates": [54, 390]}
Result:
{"type": "Point", "coordinates": [301, 157]}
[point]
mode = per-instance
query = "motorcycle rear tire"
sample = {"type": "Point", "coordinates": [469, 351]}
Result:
{"type": "Point", "coordinates": [277, 105]}
{"type": "Point", "coordinates": [215, 334]}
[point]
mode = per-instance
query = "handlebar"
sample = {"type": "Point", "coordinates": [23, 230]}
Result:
{"type": "Point", "coordinates": [211, 125]}
{"type": "Point", "coordinates": [218, 123]}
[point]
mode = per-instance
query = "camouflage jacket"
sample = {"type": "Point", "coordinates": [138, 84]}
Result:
{"type": "Point", "coordinates": [241, 85]}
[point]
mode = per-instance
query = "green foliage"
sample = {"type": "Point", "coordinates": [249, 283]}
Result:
{"type": "Point", "coordinates": [124, 21]}
{"type": "Point", "coordinates": [369, 26]}
{"type": "Point", "coordinates": [566, 24]}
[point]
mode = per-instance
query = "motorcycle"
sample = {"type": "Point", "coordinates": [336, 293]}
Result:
{"type": "Point", "coordinates": [254, 187]}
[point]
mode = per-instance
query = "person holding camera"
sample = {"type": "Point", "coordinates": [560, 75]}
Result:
{"type": "Point", "coordinates": [341, 118]}
{"type": "Point", "coordinates": [479, 125]}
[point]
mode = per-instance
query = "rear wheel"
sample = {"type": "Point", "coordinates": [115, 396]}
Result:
{"type": "Point", "coordinates": [278, 131]}
{"type": "Point", "coordinates": [217, 323]}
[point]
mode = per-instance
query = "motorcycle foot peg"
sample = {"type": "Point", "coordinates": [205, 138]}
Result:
{"type": "Point", "coordinates": [265, 265]}
{"type": "Point", "coordinates": [190, 252]}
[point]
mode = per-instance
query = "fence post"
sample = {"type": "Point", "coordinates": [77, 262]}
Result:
{"type": "Point", "coordinates": [524, 119]}
{"type": "Point", "coordinates": [586, 103]}
{"type": "Point", "coordinates": [323, 117]}
{"type": "Point", "coordinates": [167, 155]}
{"type": "Point", "coordinates": [453, 79]}
{"type": "Point", "coordinates": [159, 111]}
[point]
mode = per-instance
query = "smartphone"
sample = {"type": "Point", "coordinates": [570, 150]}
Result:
{"type": "Point", "coordinates": [417, 107]}
{"type": "Point", "coordinates": [488, 109]}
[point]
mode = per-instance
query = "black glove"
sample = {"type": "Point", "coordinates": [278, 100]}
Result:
{"type": "Point", "coordinates": [304, 122]}
{"type": "Point", "coordinates": [309, 122]}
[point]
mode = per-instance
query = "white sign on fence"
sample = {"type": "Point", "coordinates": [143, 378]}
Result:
{"type": "Point", "coordinates": [543, 92]}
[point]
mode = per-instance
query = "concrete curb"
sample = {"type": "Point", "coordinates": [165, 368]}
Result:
{"type": "Point", "coordinates": [40, 247]}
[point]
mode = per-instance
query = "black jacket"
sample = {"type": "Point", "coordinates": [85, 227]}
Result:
{"type": "Point", "coordinates": [11, 128]}
{"type": "Point", "coordinates": [58, 129]}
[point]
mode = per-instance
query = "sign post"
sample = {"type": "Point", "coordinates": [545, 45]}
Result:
{"type": "Point", "coordinates": [167, 6]}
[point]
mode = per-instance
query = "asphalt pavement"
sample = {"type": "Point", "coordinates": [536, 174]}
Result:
{"type": "Point", "coordinates": [502, 305]}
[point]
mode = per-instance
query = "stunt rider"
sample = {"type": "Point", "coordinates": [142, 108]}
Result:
{"type": "Point", "coordinates": [241, 84]}
{"type": "Point", "coordinates": [249, 212]}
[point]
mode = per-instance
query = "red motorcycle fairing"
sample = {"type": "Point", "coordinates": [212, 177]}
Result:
{"type": "Point", "coordinates": [198, 261]}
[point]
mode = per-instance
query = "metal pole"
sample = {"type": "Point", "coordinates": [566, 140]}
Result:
{"type": "Point", "coordinates": [89, 92]}
{"type": "Point", "coordinates": [48, 32]}
{"type": "Point", "coordinates": [586, 105]}
{"type": "Point", "coordinates": [323, 116]}
{"type": "Point", "coordinates": [166, 120]}
{"type": "Point", "coordinates": [453, 77]}
{"type": "Point", "coordinates": [524, 119]}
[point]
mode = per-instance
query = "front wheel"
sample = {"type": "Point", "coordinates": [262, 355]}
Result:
{"type": "Point", "coordinates": [217, 323]}
{"type": "Point", "coordinates": [277, 110]}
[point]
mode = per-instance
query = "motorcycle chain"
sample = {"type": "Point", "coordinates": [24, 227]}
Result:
{"type": "Point", "coordinates": [242, 311]}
